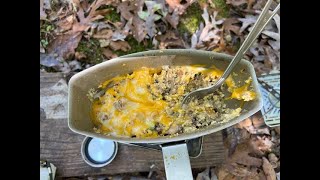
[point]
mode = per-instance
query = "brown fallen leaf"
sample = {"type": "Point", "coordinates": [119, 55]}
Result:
{"type": "Point", "coordinates": [277, 129]}
{"type": "Point", "coordinates": [240, 171]}
{"type": "Point", "coordinates": [85, 22]}
{"type": "Point", "coordinates": [259, 4]}
{"type": "Point", "coordinates": [80, 55]}
{"type": "Point", "coordinates": [139, 30]}
{"type": "Point", "coordinates": [260, 145]}
{"type": "Point", "coordinates": [176, 4]}
{"type": "Point", "coordinates": [260, 68]}
{"type": "Point", "coordinates": [152, 6]}
{"type": "Point", "coordinates": [222, 44]}
{"type": "Point", "coordinates": [261, 176]}
{"type": "Point", "coordinates": [120, 45]}
{"type": "Point", "coordinates": [108, 53]}
{"type": "Point", "coordinates": [231, 177]}
{"type": "Point", "coordinates": [245, 123]}
{"type": "Point", "coordinates": [104, 42]}
{"type": "Point", "coordinates": [257, 120]}
{"type": "Point", "coordinates": [273, 159]}
{"type": "Point", "coordinates": [241, 156]}
{"type": "Point", "coordinates": [170, 40]}
{"type": "Point", "coordinates": [236, 2]}
{"type": "Point", "coordinates": [268, 169]}
{"type": "Point", "coordinates": [125, 8]}
{"type": "Point", "coordinates": [173, 19]}
{"type": "Point", "coordinates": [250, 4]}
{"type": "Point", "coordinates": [229, 26]}
{"type": "Point", "coordinates": [222, 173]}
{"type": "Point", "coordinates": [64, 45]}
{"type": "Point", "coordinates": [103, 34]}
{"type": "Point", "coordinates": [273, 57]}
{"type": "Point", "coordinates": [66, 23]}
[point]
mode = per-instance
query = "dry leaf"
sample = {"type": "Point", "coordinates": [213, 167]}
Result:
{"type": "Point", "coordinates": [170, 40]}
{"type": "Point", "coordinates": [260, 68]}
{"type": "Point", "coordinates": [236, 2]}
{"type": "Point", "coordinates": [104, 42]}
{"type": "Point", "coordinates": [94, 14]}
{"type": "Point", "coordinates": [125, 7]}
{"type": "Point", "coordinates": [152, 17]}
{"type": "Point", "coordinates": [258, 121]}
{"type": "Point", "coordinates": [268, 169]}
{"type": "Point", "coordinates": [103, 34]}
{"type": "Point", "coordinates": [195, 37]}
{"type": "Point", "coordinates": [175, 5]}
{"type": "Point", "coordinates": [108, 53]}
{"type": "Point", "coordinates": [247, 21]}
{"type": "Point", "coordinates": [173, 19]}
{"type": "Point", "coordinates": [259, 4]}
{"type": "Point", "coordinates": [46, 4]}
{"type": "Point", "coordinates": [120, 45]}
{"type": "Point", "coordinates": [240, 171]}
{"type": "Point", "coordinates": [66, 23]}
{"type": "Point", "coordinates": [43, 14]}
{"type": "Point", "coordinates": [241, 156]}
{"type": "Point", "coordinates": [245, 123]}
{"type": "Point", "coordinates": [99, 26]}
{"type": "Point", "coordinates": [260, 145]}
{"type": "Point", "coordinates": [64, 45]}
{"type": "Point", "coordinates": [273, 57]}
{"type": "Point", "coordinates": [222, 173]}
{"type": "Point", "coordinates": [139, 30]}
{"type": "Point", "coordinates": [118, 36]}
{"type": "Point", "coordinates": [229, 26]}
{"type": "Point", "coordinates": [80, 55]}
{"type": "Point", "coordinates": [207, 33]}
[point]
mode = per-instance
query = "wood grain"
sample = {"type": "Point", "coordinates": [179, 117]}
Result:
{"type": "Point", "coordinates": [61, 146]}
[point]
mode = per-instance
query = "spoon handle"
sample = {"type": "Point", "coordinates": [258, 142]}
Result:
{"type": "Point", "coordinates": [261, 22]}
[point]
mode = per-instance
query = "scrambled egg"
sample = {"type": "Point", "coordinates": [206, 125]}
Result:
{"type": "Point", "coordinates": [147, 102]}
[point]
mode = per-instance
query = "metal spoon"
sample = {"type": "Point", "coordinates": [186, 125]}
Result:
{"type": "Point", "coordinates": [262, 21]}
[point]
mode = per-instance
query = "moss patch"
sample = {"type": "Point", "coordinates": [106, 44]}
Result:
{"type": "Point", "coordinates": [92, 50]}
{"type": "Point", "coordinates": [191, 19]}
{"type": "Point", "coordinates": [112, 16]}
{"type": "Point", "coordinates": [222, 7]}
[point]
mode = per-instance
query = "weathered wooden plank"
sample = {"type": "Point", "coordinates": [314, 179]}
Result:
{"type": "Point", "coordinates": [61, 146]}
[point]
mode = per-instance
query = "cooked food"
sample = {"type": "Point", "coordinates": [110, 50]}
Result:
{"type": "Point", "coordinates": [147, 102]}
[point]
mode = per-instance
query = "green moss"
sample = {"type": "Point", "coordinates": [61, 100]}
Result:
{"type": "Point", "coordinates": [112, 16]}
{"type": "Point", "coordinates": [135, 46]}
{"type": "Point", "coordinates": [92, 50]}
{"type": "Point", "coordinates": [191, 19]}
{"type": "Point", "coordinates": [46, 32]}
{"type": "Point", "coordinates": [222, 7]}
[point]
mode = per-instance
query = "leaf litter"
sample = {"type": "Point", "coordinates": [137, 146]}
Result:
{"type": "Point", "coordinates": [138, 23]}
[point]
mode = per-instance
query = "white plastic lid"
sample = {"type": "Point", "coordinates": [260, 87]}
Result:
{"type": "Point", "coordinates": [98, 152]}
